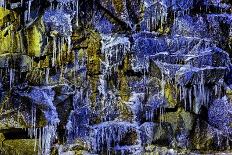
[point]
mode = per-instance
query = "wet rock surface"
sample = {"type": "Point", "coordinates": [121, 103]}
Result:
{"type": "Point", "coordinates": [115, 77]}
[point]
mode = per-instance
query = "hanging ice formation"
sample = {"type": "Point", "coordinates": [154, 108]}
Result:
{"type": "Point", "coordinates": [54, 49]}
{"type": "Point", "coordinates": [2, 3]}
{"type": "Point", "coordinates": [29, 10]}
{"type": "Point", "coordinates": [12, 74]}
{"type": "Point", "coordinates": [78, 121]}
{"type": "Point", "coordinates": [111, 134]}
{"type": "Point", "coordinates": [47, 134]}
{"type": "Point", "coordinates": [58, 22]}
{"type": "Point", "coordinates": [199, 93]}
{"type": "Point", "coordinates": [155, 16]}
{"type": "Point", "coordinates": [177, 74]}
{"type": "Point", "coordinates": [113, 48]}
{"type": "Point", "coordinates": [77, 12]}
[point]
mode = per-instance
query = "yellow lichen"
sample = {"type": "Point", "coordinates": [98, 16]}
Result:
{"type": "Point", "coordinates": [9, 34]}
{"type": "Point", "coordinates": [6, 40]}
{"type": "Point", "coordinates": [118, 5]}
{"type": "Point", "coordinates": [123, 81]}
{"type": "Point", "coordinates": [20, 146]}
{"type": "Point", "coordinates": [34, 38]}
{"type": "Point", "coordinates": [93, 61]}
{"type": "Point", "coordinates": [170, 94]}
{"type": "Point", "coordinates": [123, 86]}
{"type": "Point", "coordinates": [3, 12]}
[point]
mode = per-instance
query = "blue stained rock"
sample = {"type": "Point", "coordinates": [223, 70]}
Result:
{"type": "Point", "coordinates": [146, 44]}
{"type": "Point", "coordinates": [190, 75]}
{"type": "Point", "coordinates": [42, 98]}
{"type": "Point", "coordinates": [152, 133]}
{"type": "Point", "coordinates": [215, 57]}
{"type": "Point", "coordinates": [180, 5]}
{"type": "Point", "coordinates": [161, 71]}
{"type": "Point", "coordinates": [78, 124]}
{"type": "Point", "coordinates": [220, 114]}
{"type": "Point", "coordinates": [147, 132]}
{"type": "Point", "coordinates": [154, 14]}
{"type": "Point", "coordinates": [190, 26]}
{"type": "Point", "coordinates": [164, 70]}
{"type": "Point", "coordinates": [58, 20]}
{"type": "Point", "coordinates": [102, 24]}
{"type": "Point", "coordinates": [182, 139]}
{"type": "Point", "coordinates": [155, 102]}
{"type": "Point", "coordinates": [108, 135]}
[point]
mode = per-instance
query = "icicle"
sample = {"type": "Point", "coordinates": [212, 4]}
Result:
{"type": "Point", "coordinates": [218, 138]}
{"type": "Point", "coordinates": [77, 13]}
{"type": "Point", "coordinates": [116, 51]}
{"type": "Point", "coordinates": [197, 102]}
{"type": "Point", "coordinates": [54, 52]}
{"type": "Point", "coordinates": [148, 24]}
{"type": "Point", "coordinates": [206, 97]}
{"type": "Point", "coordinates": [21, 42]}
{"type": "Point", "coordinates": [218, 89]}
{"type": "Point", "coordinates": [190, 99]}
{"type": "Point", "coordinates": [48, 134]}
{"type": "Point", "coordinates": [146, 114]}
{"type": "Point", "coordinates": [35, 131]}
{"type": "Point", "coordinates": [39, 142]}
{"type": "Point", "coordinates": [29, 11]}
{"type": "Point", "coordinates": [160, 113]}
{"type": "Point", "coordinates": [163, 82]}
{"type": "Point", "coordinates": [202, 90]}
{"type": "Point", "coordinates": [69, 44]}
{"type": "Point", "coordinates": [34, 119]}
{"type": "Point", "coordinates": [185, 91]}
{"type": "Point", "coordinates": [59, 50]}
{"type": "Point", "coordinates": [3, 3]}
{"type": "Point", "coordinates": [47, 75]}
{"type": "Point", "coordinates": [108, 134]}
{"type": "Point", "coordinates": [11, 77]}
{"type": "Point", "coordinates": [32, 131]}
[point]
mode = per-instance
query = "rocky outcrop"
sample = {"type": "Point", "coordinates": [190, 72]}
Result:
{"type": "Point", "coordinates": [115, 77]}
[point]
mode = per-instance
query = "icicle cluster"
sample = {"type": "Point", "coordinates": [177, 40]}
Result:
{"type": "Point", "coordinates": [2, 3]}
{"type": "Point", "coordinates": [12, 74]}
{"type": "Point", "coordinates": [44, 135]}
{"type": "Point", "coordinates": [114, 48]}
{"type": "Point", "coordinates": [156, 16]}
{"type": "Point", "coordinates": [78, 121]}
{"type": "Point", "coordinates": [110, 134]}
{"type": "Point", "coordinates": [135, 103]}
{"type": "Point", "coordinates": [199, 94]}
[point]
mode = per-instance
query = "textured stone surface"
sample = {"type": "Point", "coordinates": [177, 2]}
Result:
{"type": "Point", "coordinates": [115, 77]}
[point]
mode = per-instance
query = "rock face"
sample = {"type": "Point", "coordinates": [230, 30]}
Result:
{"type": "Point", "coordinates": [115, 77]}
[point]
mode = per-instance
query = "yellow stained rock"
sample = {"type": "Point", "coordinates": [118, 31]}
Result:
{"type": "Point", "coordinates": [9, 36]}
{"type": "Point", "coordinates": [170, 94]}
{"type": "Point", "coordinates": [7, 40]}
{"type": "Point", "coordinates": [20, 146]}
{"type": "Point", "coordinates": [34, 38]}
{"type": "Point", "coordinates": [229, 94]}
{"type": "Point", "coordinates": [3, 12]}
{"type": "Point", "coordinates": [92, 53]}
{"type": "Point", "coordinates": [124, 87]}
{"type": "Point", "coordinates": [118, 4]}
